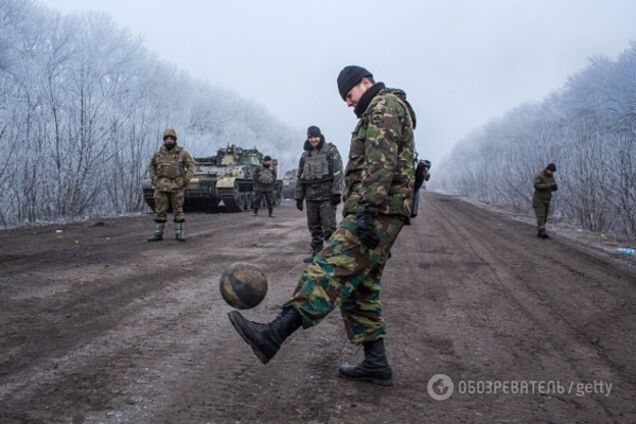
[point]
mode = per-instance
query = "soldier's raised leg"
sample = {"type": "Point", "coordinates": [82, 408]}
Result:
{"type": "Point", "coordinates": [336, 273]}
{"type": "Point", "coordinates": [161, 210]}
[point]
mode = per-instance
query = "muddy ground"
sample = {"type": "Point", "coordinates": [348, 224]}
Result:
{"type": "Point", "coordinates": [96, 325]}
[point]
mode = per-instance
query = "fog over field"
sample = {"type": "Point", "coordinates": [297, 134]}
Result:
{"type": "Point", "coordinates": [460, 62]}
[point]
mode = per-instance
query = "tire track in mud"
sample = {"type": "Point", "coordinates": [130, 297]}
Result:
{"type": "Point", "coordinates": [152, 344]}
{"type": "Point", "coordinates": [539, 305]}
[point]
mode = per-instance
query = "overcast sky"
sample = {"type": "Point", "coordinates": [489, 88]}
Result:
{"type": "Point", "coordinates": [460, 62]}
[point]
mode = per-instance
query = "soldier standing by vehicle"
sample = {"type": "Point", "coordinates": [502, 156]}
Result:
{"type": "Point", "coordinates": [171, 168]}
{"type": "Point", "coordinates": [319, 184]}
{"type": "Point", "coordinates": [379, 179]}
{"type": "Point", "coordinates": [264, 183]}
{"type": "Point", "coordinates": [544, 185]}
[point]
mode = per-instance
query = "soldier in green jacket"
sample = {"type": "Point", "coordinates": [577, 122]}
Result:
{"type": "Point", "coordinates": [347, 273]}
{"type": "Point", "coordinates": [171, 168]}
{"type": "Point", "coordinates": [544, 185]}
{"type": "Point", "coordinates": [319, 185]}
{"type": "Point", "coordinates": [264, 183]}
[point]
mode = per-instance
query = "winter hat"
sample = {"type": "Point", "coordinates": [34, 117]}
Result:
{"type": "Point", "coordinates": [313, 131]}
{"type": "Point", "coordinates": [266, 158]}
{"type": "Point", "coordinates": [551, 167]}
{"type": "Point", "coordinates": [349, 77]}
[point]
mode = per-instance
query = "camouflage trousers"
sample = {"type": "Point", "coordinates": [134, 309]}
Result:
{"type": "Point", "coordinates": [258, 199]}
{"type": "Point", "coordinates": [348, 274]}
{"type": "Point", "coordinates": [541, 210]}
{"type": "Point", "coordinates": [166, 199]}
{"type": "Point", "coordinates": [321, 220]}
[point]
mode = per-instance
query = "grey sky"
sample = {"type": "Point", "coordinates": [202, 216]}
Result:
{"type": "Point", "coordinates": [460, 62]}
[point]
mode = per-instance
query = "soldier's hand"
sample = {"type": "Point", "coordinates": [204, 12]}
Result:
{"type": "Point", "coordinates": [335, 199]}
{"type": "Point", "coordinates": [365, 231]}
{"type": "Point", "coordinates": [299, 204]}
{"type": "Point", "coordinates": [554, 187]}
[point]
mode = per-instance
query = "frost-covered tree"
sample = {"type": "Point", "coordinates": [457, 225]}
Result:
{"type": "Point", "coordinates": [82, 107]}
{"type": "Point", "coordinates": [588, 128]}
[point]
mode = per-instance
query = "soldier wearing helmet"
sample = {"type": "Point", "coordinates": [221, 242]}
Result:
{"type": "Point", "coordinates": [171, 168]}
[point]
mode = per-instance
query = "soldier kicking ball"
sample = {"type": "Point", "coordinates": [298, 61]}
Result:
{"type": "Point", "coordinates": [379, 182]}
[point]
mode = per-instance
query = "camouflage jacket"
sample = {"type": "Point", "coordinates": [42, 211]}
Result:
{"type": "Point", "coordinates": [542, 187]}
{"type": "Point", "coordinates": [171, 170]}
{"type": "Point", "coordinates": [319, 172]}
{"type": "Point", "coordinates": [380, 174]}
{"type": "Point", "coordinates": [264, 179]}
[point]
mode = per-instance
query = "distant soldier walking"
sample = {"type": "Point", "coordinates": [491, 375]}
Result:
{"type": "Point", "coordinates": [319, 184]}
{"type": "Point", "coordinates": [347, 273]}
{"type": "Point", "coordinates": [544, 185]}
{"type": "Point", "coordinates": [171, 168]}
{"type": "Point", "coordinates": [264, 184]}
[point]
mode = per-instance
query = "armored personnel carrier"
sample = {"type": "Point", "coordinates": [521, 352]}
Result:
{"type": "Point", "coordinates": [221, 180]}
{"type": "Point", "coordinates": [289, 184]}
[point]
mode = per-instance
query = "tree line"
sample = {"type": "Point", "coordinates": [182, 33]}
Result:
{"type": "Point", "coordinates": [82, 107]}
{"type": "Point", "coordinates": [587, 127]}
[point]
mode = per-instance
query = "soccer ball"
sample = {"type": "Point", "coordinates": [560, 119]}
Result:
{"type": "Point", "coordinates": [243, 285]}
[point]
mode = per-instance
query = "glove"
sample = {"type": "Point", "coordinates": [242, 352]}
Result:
{"type": "Point", "coordinates": [553, 187]}
{"type": "Point", "coordinates": [299, 204]}
{"type": "Point", "coordinates": [365, 231]}
{"type": "Point", "coordinates": [335, 199]}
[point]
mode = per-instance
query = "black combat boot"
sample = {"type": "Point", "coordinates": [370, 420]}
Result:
{"type": "Point", "coordinates": [542, 234]}
{"type": "Point", "coordinates": [375, 367]}
{"type": "Point", "coordinates": [314, 251]}
{"type": "Point", "coordinates": [271, 212]}
{"type": "Point", "coordinates": [265, 339]}
{"type": "Point", "coordinates": [179, 230]}
{"type": "Point", "coordinates": [310, 258]}
{"type": "Point", "coordinates": [158, 234]}
{"type": "Point", "coordinates": [255, 212]}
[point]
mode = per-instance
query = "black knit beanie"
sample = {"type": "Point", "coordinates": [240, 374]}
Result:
{"type": "Point", "coordinates": [266, 158]}
{"type": "Point", "coordinates": [551, 167]}
{"type": "Point", "coordinates": [313, 131]}
{"type": "Point", "coordinates": [349, 77]}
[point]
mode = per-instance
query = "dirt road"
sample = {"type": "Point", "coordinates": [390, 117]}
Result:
{"type": "Point", "coordinates": [96, 325]}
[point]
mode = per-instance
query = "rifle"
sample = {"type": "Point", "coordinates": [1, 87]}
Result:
{"type": "Point", "coordinates": [421, 175]}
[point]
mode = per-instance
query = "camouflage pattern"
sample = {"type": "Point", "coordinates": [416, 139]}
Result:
{"type": "Point", "coordinates": [264, 179]}
{"type": "Point", "coordinates": [258, 199]}
{"type": "Point", "coordinates": [321, 220]}
{"type": "Point", "coordinates": [319, 172]}
{"type": "Point", "coordinates": [380, 174]}
{"type": "Point", "coordinates": [170, 171]}
{"type": "Point", "coordinates": [166, 199]}
{"type": "Point", "coordinates": [346, 273]}
{"type": "Point", "coordinates": [541, 197]}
